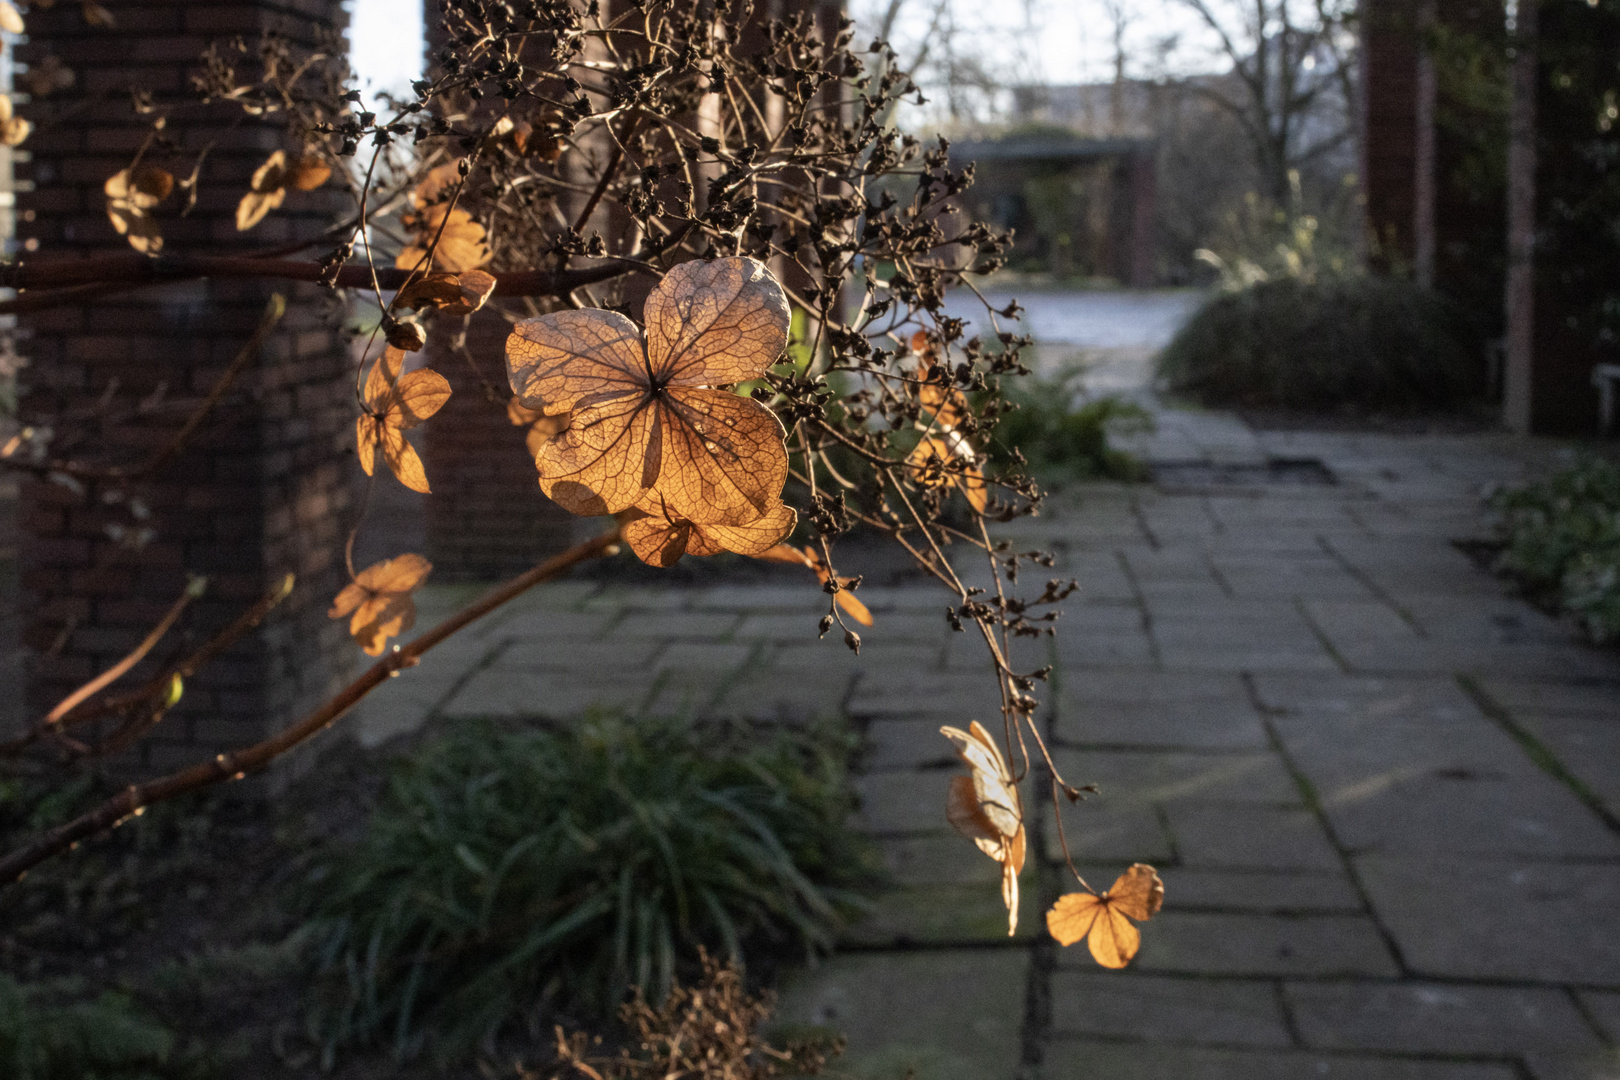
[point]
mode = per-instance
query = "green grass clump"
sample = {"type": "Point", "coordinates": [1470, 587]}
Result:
{"type": "Point", "coordinates": [1563, 542]}
{"type": "Point", "coordinates": [1062, 440]}
{"type": "Point", "coordinates": [104, 1039]}
{"type": "Point", "coordinates": [509, 872]}
{"type": "Point", "coordinates": [1355, 344]}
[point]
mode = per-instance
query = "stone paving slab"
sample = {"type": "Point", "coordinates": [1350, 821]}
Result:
{"type": "Point", "coordinates": [1250, 838]}
{"type": "Point", "coordinates": [1435, 1017]}
{"type": "Point", "coordinates": [1129, 777]}
{"type": "Point", "coordinates": [1601, 1065]}
{"type": "Point", "coordinates": [1097, 833]}
{"type": "Point", "coordinates": [943, 916]}
{"type": "Point", "coordinates": [1190, 888]}
{"type": "Point", "coordinates": [1540, 921]}
{"type": "Point", "coordinates": [1603, 1008]}
{"type": "Point", "coordinates": [1155, 1008]}
{"type": "Point", "coordinates": [1213, 723]}
{"type": "Point", "coordinates": [1199, 943]}
{"type": "Point", "coordinates": [1380, 789]}
{"type": "Point", "coordinates": [1146, 1061]}
{"type": "Point", "coordinates": [965, 1024]}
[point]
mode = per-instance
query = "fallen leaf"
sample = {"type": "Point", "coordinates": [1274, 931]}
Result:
{"type": "Point", "coordinates": [1105, 921]}
{"type": "Point", "coordinates": [392, 404]}
{"type": "Point", "coordinates": [129, 197]}
{"type": "Point", "coordinates": [380, 601]}
{"type": "Point", "coordinates": [984, 806]}
{"type": "Point", "coordinates": [659, 536]}
{"type": "Point", "coordinates": [656, 416]}
{"type": "Point", "coordinates": [11, 20]}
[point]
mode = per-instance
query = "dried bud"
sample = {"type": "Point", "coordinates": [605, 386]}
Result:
{"type": "Point", "coordinates": [853, 640]}
{"type": "Point", "coordinates": [405, 334]}
{"type": "Point", "coordinates": [826, 625]}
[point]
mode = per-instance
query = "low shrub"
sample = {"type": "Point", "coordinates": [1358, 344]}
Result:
{"type": "Point", "coordinates": [1062, 437]}
{"type": "Point", "coordinates": [1356, 344]}
{"type": "Point", "coordinates": [509, 872]}
{"type": "Point", "coordinates": [104, 1039]}
{"type": "Point", "coordinates": [1563, 542]}
{"type": "Point", "coordinates": [708, 1030]}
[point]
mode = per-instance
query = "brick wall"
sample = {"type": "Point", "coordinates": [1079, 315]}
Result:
{"type": "Point", "coordinates": [487, 518]}
{"type": "Point", "coordinates": [264, 489]}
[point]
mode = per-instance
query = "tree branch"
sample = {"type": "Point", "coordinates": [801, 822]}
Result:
{"type": "Point", "coordinates": [237, 764]}
{"type": "Point", "coordinates": [74, 277]}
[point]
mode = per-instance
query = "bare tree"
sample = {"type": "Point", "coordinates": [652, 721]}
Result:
{"type": "Point", "coordinates": [1292, 71]}
{"type": "Point", "coordinates": [1119, 17]}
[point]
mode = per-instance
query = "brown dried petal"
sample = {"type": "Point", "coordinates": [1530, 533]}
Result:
{"type": "Point", "coordinates": [716, 323]}
{"type": "Point", "coordinates": [308, 172]}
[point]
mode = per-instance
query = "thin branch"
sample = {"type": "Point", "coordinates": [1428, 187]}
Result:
{"type": "Point", "coordinates": [237, 764]}
{"type": "Point", "coordinates": [194, 589]}
{"type": "Point", "coordinates": [141, 270]}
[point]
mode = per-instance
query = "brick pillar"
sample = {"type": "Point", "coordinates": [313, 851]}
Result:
{"type": "Point", "coordinates": [487, 517]}
{"type": "Point", "coordinates": [266, 487]}
{"type": "Point", "coordinates": [1389, 58]}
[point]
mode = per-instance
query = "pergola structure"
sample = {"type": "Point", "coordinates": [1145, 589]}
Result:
{"type": "Point", "coordinates": [1106, 187]}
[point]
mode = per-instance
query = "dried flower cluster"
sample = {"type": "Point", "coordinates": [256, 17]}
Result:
{"type": "Point", "coordinates": [726, 272]}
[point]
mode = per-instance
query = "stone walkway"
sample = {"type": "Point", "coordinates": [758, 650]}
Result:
{"type": "Point", "coordinates": [1383, 795]}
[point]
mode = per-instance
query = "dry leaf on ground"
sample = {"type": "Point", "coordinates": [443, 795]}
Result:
{"type": "Point", "coordinates": [655, 416]}
{"type": "Point", "coordinates": [659, 536]}
{"type": "Point", "coordinates": [379, 602]}
{"type": "Point", "coordinates": [807, 556]}
{"type": "Point", "coordinates": [1105, 921]}
{"type": "Point", "coordinates": [394, 403]}
{"type": "Point", "coordinates": [130, 197]}
{"type": "Point", "coordinates": [984, 806]}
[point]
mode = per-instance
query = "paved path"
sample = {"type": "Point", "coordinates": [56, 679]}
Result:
{"type": "Point", "coordinates": [1383, 794]}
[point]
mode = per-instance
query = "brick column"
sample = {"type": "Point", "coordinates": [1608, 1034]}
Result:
{"type": "Point", "coordinates": [487, 518]}
{"type": "Point", "coordinates": [267, 486]}
{"type": "Point", "coordinates": [1389, 68]}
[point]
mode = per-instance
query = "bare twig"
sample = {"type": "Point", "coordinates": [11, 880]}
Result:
{"type": "Point", "coordinates": [237, 764]}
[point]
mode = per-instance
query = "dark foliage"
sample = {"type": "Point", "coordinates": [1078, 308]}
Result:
{"type": "Point", "coordinates": [510, 870]}
{"type": "Point", "coordinates": [1359, 345]}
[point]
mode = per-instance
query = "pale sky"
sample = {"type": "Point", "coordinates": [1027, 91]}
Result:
{"type": "Point", "coordinates": [385, 43]}
{"type": "Point", "coordinates": [1057, 41]}
{"type": "Point", "coordinates": [1024, 40]}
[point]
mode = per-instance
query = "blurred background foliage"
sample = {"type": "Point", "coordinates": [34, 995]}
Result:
{"type": "Point", "coordinates": [508, 871]}
{"type": "Point", "coordinates": [1562, 543]}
